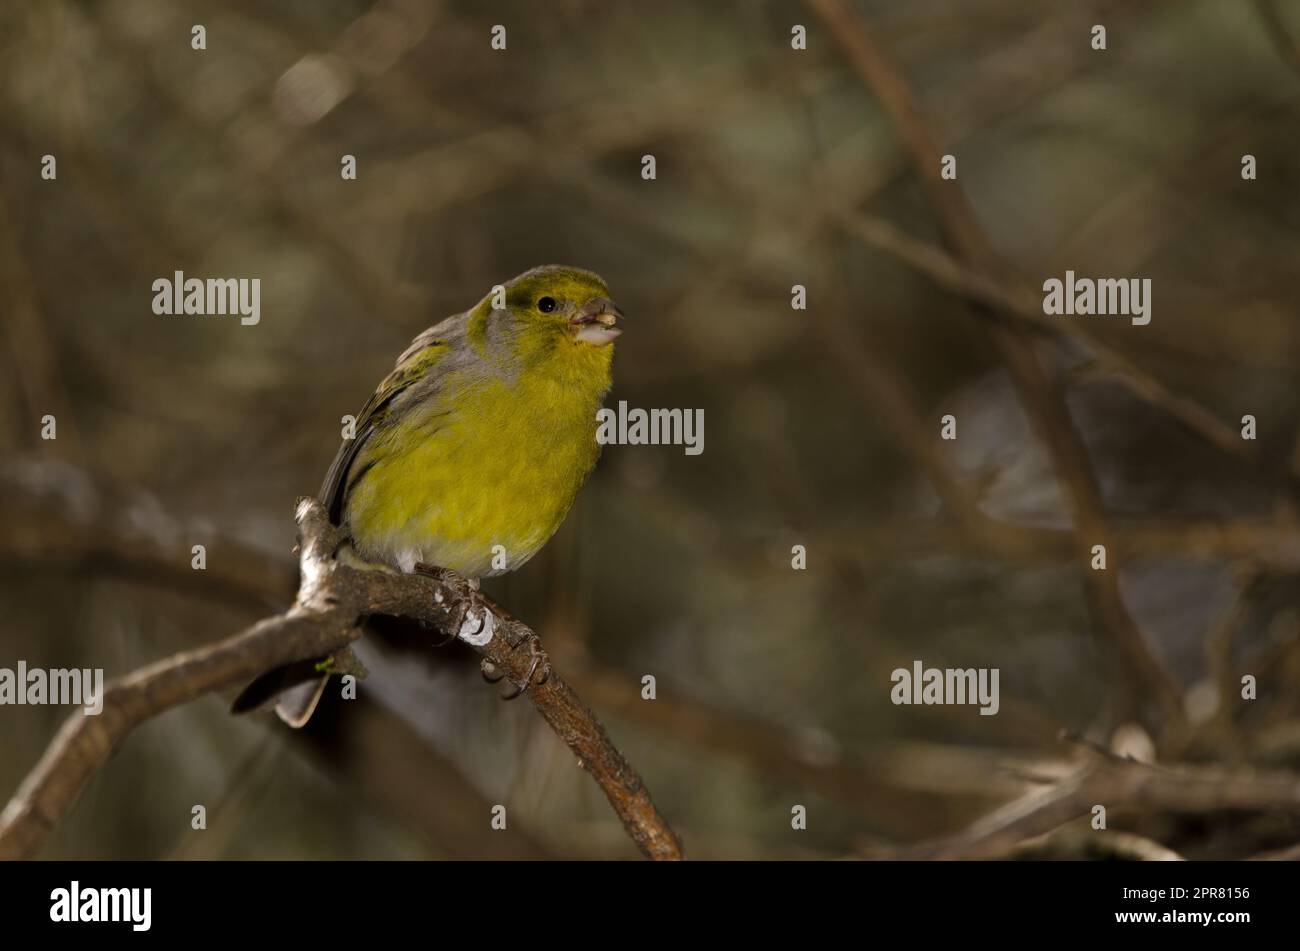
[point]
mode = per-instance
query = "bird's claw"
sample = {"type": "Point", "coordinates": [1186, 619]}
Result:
{"type": "Point", "coordinates": [460, 626]}
{"type": "Point", "coordinates": [539, 670]}
{"type": "Point", "coordinates": [482, 632]}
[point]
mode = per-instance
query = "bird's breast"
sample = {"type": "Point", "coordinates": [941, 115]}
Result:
{"type": "Point", "coordinates": [479, 482]}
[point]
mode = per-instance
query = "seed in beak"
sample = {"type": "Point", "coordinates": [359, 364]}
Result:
{"type": "Point", "coordinates": [607, 320]}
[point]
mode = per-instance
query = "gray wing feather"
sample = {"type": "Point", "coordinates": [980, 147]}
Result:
{"type": "Point", "coordinates": [333, 491]}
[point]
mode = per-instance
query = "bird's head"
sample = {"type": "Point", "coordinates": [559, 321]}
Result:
{"type": "Point", "coordinates": [552, 316]}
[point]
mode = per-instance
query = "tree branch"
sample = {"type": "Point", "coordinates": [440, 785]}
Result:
{"type": "Point", "coordinates": [1116, 783]}
{"type": "Point", "coordinates": [333, 600]}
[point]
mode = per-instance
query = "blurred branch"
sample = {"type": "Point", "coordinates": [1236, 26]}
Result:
{"type": "Point", "coordinates": [1271, 544]}
{"type": "Point", "coordinates": [1019, 302]}
{"type": "Point", "coordinates": [1289, 854]}
{"type": "Point", "coordinates": [1042, 398]}
{"type": "Point", "coordinates": [883, 783]}
{"type": "Point", "coordinates": [245, 781]}
{"type": "Point", "coordinates": [1081, 843]}
{"type": "Point", "coordinates": [32, 355]}
{"type": "Point", "coordinates": [354, 263]}
{"type": "Point", "coordinates": [1117, 784]}
{"type": "Point", "coordinates": [143, 234]}
{"type": "Point", "coordinates": [333, 599]}
{"type": "Point", "coordinates": [1219, 642]}
{"type": "Point", "coordinates": [377, 753]}
{"type": "Point", "coordinates": [883, 391]}
{"type": "Point", "coordinates": [56, 512]}
{"type": "Point", "coordinates": [1278, 34]}
{"type": "Point", "coordinates": [61, 515]}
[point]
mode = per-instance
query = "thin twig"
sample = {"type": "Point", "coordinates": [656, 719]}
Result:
{"type": "Point", "coordinates": [1116, 784]}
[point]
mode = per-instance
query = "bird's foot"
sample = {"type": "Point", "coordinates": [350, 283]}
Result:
{"type": "Point", "coordinates": [476, 622]}
{"type": "Point", "coordinates": [539, 668]}
{"type": "Point", "coordinates": [473, 622]}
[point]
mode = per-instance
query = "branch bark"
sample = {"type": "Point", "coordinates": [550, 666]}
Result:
{"type": "Point", "coordinates": [333, 599]}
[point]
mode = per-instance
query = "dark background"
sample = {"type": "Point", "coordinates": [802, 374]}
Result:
{"type": "Point", "coordinates": [773, 684]}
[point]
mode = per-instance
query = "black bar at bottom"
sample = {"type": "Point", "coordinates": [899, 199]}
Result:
{"type": "Point", "coordinates": [332, 901]}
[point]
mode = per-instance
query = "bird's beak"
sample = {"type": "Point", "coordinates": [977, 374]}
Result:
{"type": "Point", "coordinates": [596, 321]}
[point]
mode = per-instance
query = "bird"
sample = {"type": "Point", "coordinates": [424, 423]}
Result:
{"type": "Point", "coordinates": [469, 454]}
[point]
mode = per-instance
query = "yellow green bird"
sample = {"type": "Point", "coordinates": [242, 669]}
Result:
{"type": "Point", "coordinates": [471, 451]}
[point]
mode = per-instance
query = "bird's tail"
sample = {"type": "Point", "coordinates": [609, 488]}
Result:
{"type": "Point", "coordinates": [296, 689]}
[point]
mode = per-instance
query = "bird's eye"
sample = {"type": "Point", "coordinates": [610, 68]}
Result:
{"type": "Point", "coordinates": [546, 305]}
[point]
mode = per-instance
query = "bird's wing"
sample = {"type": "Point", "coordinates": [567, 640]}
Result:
{"type": "Point", "coordinates": [447, 330]}
{"type": "Point", "coordinates": [425, 351]}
